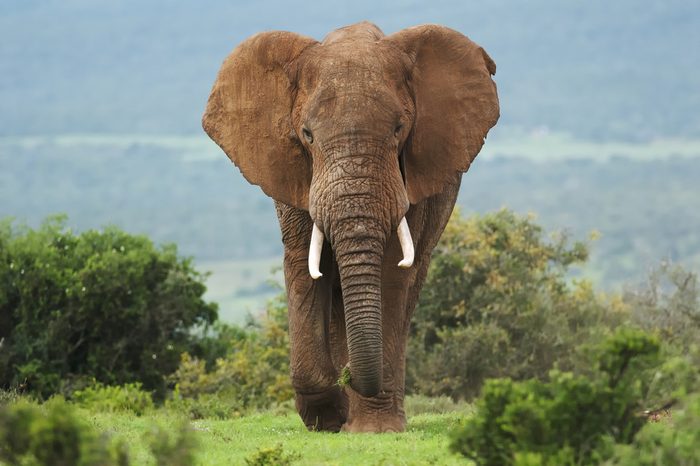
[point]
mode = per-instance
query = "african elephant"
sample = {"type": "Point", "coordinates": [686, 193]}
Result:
{"type": "Point", "coordinates": [361, 140]}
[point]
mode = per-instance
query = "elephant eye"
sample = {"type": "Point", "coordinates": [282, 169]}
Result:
{"type": "Point", "coordinates": [397, 130]}
{"type": "Point", "coordinates": [308, 135]}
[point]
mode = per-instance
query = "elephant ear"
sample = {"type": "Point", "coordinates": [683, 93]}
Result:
{"type": "Point", "coordinates": [249, 115]}
{"type": "Point", "coordinates": [455, 105]}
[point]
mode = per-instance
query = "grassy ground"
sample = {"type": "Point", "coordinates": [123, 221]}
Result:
{"type": "Point", "coordinates": [230, 442]}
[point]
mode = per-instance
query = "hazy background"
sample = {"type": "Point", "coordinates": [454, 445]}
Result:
{"type": "Point", "coordinates": [100, 107]}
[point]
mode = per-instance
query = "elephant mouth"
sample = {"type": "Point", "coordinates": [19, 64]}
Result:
{"type": "Point", "coordinates": [316, 245]}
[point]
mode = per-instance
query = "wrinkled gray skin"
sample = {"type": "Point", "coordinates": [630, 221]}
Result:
{"type": "Point", "coordinates": [354, 133]}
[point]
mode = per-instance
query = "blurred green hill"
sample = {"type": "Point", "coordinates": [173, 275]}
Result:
{"type": "Point", "coordinates": [640, 198]}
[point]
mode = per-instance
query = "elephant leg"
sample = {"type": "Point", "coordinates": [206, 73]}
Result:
{"type": "Point", "coordinates": [400, 291]}
{"type": "Point", "coordinates": [321, 404]}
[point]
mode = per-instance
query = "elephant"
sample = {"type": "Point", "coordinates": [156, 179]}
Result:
{"type": "Point", "coordinates": [361, 141]}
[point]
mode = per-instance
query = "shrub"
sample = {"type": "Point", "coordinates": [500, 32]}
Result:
{"type": "Point", "coordinates": [217, 341]}
{"type": "Point", "coordinates": [219, 405]}
{"type": "Point", "coordinates": [53, 435]}
{"type": "Point", "coordinates": [665, 443]}
{"type": "Point", "coordinates": [669, 303]}
{"type": "Point", "coordinates": [569, 419]}
{"type": "Point", "coordinates": [274, 456]}
{"type": "Point", "coordinates": [677, 376]}
{"type": "Point", "coordinates": [128, 397]}
{"type": "Point", "coordinates": [100, 304]}
{"type": "Point", "coordinates": [253, 375]}
{"type": "Point", "coordinates": [177, 450]}
{"type": "Point", "coordinates": [497, 303]}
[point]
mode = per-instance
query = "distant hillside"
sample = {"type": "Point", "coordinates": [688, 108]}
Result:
{"type": "Point", "coordinates": [174, 190]}
{"type": "Point", "coordinates": [620, 69]}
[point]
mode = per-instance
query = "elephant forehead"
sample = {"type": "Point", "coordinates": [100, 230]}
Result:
{"type": "Point", "coordinates": [351, 64]}
{"type": "Point", "coordinates": [340, 75]}
{"type": "Point", "coordinates": [368, 99]}
{"type": "Point", "coordinates": [352, 83]}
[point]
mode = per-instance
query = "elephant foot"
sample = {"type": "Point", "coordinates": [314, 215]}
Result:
{"type": "Point", "coordinates": [382, 413]}
{"type": "Point", "coordinates": [323, 411]}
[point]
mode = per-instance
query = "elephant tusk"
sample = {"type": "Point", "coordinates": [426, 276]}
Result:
{"type": "Point", "coordinates": [406, 244]}
{"type": "Point", "coordinates": [315, 252]}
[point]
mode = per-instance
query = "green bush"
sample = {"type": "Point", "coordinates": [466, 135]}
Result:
{"type": "Point", "coordinates": [569, 419]}
{"type": "Point", "coordinates": [53, 435]}
{"type": "Point", "coordinates": [674, 442]}
{"type": "Point", "coordinates": [216, 341]}
{"type": "Point", "coordinates": [128, 397]}
{"type": "Point", "coordinates": [274, 456]}
{"type": "Point", "coordinates": [675, 378]}
{"type": "Point", "coordinates": [100, 304]}
{"type": "Point", "coordinates": [175, 450]}
{"type": "Point", "coordinates": [669, 304]}
{"type": "Point", "coordinates": [205, 405]}
{"type": "Point", "coordinates": [497, 303]}
{"type": "Point", "coordinates": [253, 375]}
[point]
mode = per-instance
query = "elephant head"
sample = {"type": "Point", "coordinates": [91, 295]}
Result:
{"type": "Point", "coordinates": [354, 129]}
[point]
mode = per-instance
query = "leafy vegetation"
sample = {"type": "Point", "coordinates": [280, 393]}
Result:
{"type": "Point", "coordinates": [162, 438]}
{"type": "Point", "coordinates": [172, 450]}
{"type": "Point", "coordinates": [56, 434]}
{"type": "Point", "coordinates": [670, 305]}
{"type": "Point", "coordinates": [253, 374]}
{"type": "Point", "coordinates": [665, 443]}
{"type": "Point", "coordinates": [561, 374]}
{"type": "Point", "coordinates": [345, 377]}
{"type": "Point", "coordinates": [101, 304]}
{"type": "Point", "coordinates": [55, 437]}
{"type": "Point", "coordinates": [497, 304]}
{"type": "Point", "coordinates": [274, 456]}
{"type": "Point", "coordinates": [569, 419]}
{"type": "Point", "coordinates": [129, 397]}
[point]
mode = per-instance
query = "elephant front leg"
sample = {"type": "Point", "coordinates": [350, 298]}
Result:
{"type": "Point", "coordinates": [320, 402]}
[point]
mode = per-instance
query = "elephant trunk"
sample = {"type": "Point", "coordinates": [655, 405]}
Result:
{"type": "Point", "coordinates": [357, 205]}
{"type": "Point", "coordinates": [360, 265]}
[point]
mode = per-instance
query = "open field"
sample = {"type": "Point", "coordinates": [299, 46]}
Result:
{"type": "Point", "coordinates": [230, 442]}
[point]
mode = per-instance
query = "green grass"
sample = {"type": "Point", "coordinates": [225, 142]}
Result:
{"type": "Point", "coordinates": [230, 442]}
